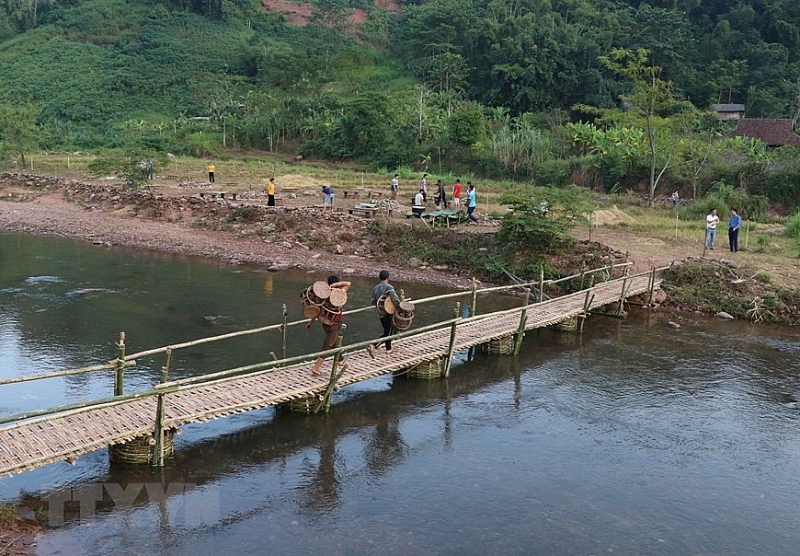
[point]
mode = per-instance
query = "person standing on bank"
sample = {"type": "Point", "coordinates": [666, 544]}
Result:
{"type": "Point", "coordinates": [211, 172]}
{"type": "Point", "coordinates": [384, 288]}
{"type": "Point", "coordinates": [271, 192]}
{"type": "Point", "coordinates": [395, 185]}
{"type": "Point", "coordinates": [331, 330]}
{"type": "Point", "coordinates": [472, 202]}
{"type": "Point", "coordinates": [457, 194]}
{"type": "Point", "coordinates": [734, 224]}
{"type": "Point", "coordinates": [441, 195]}
{"type": "Point", "coordinates": [711, 229]}
{"type": "Point", "coordinates": [423, 186]}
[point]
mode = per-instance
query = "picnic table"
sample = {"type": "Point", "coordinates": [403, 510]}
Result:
{"type": "Point", "coordinates": [365, 209]}
{"type": "Point", "coordinates": [442, 217]}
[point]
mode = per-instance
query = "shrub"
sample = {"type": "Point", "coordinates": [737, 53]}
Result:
{"type": "Point", "coordinates": [793, 226]}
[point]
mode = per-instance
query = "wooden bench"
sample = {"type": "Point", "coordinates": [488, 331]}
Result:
{"type": "Point", "coordinates": [368, 212]}
{"type": "Point", "coordinates": [214, 194]}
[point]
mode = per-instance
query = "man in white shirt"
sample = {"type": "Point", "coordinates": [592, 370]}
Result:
{"type": "Point", "coordinates": [711, 229]}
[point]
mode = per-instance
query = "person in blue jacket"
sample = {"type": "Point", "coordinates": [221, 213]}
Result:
{"type": "Point", "coordinates": [734, 223]}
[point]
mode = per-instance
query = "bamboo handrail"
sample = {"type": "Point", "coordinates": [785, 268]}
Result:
{"type": "Point", "coordinates": [130, 360]}
{"type": "Point", "coordinates": [267, 366]}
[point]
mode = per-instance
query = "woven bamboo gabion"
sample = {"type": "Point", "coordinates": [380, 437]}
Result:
{"type": "Point", "coordinates": [428, 369]}
{"type": "Point", "coordinates": [504, 345]}
{"type": "Point", "coordinates": [306, 404]}
{"type": "Point", "coordinates": [140, 450]}
{"type": "Point", "coordinates": [569, 325]}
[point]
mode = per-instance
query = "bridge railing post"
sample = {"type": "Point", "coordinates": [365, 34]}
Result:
{"type": "Point", "coordinates": [523, 319]}
{"type": "Point", "coordinates": [451, 346]}
{"type": "Point", "coordinates": [336, 373]}
{"type": "Point", "coordinates": [119, 374]}
{"type": "Point", "coordinates": [474, 309]}
{"type": "Point", "coordinates": [284, 331]}
{"type": "Point", "coordinates": [541, 284]}
{"type": "Point", "coordinates": [158, 448]}
{"type": "Point", "coordinates": [651, 286]}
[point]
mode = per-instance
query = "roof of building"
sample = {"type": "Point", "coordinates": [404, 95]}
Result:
{"type": "Point", "coordinates": [772, 131]}
{"type": "Point", "coordinates": [728, 107]}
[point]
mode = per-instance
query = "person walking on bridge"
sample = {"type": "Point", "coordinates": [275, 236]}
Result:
{"type": "Point", "coordinates": [331, 330]}
{"type": "Point", "coordinates": [384, 288]}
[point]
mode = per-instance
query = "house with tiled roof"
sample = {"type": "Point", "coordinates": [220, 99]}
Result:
{"type": "Point", "coordinates": [774, 132]}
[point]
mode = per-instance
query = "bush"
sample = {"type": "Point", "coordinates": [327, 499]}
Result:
{"type": "Point", "coordinates": [793, 226]}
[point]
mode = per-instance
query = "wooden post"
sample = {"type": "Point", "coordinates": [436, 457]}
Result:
{"type": "Point", "coordinates": [335, 376]}
{"type": "Point", "coordinates": [284, 330]}
{"type": "Point", "coordinates": [523, 319]}
{"type": "Point", "coordinates": [622, 294]}
{"type": "Point", "coordinates": [158, 449]}
{"type": "Point", "coordinates": [676, 224]}
{"type": "Point", "coordinates": [651, 286]}
{"type": "Point", "coordinates": [474, 297]}
{"type": "Point", "coordinates": [119, 375]}
{"type": "Point", "coordinates": [541, 283]}
{"type": "Point", "coordinates": [583, 273]}
{"type": "Point", "coordinates": [451, 346]}
{"type": "Point", "coordinates": [587, 304]}
{"type": "Point", "coordinates": [746, 234]}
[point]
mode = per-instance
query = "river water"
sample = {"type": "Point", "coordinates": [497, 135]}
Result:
{"type": "Point", "coordinates": [633, 438]}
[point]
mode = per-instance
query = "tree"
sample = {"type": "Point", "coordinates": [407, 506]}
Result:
{"type": "Point", "coordinates": [19, 132]}
{"type": "Point", "coordinates": [651, 105]}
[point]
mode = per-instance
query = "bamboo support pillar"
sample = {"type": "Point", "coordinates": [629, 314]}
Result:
{"type": "Point", "coordinates": [119, 375]}
{"type": "Point", "coordinates": [541, 284]}
{"type": "Point", "coordinates": [583, 273]}
{"type": "Point", "coordinates": [651, 286]}
{"type": "Point", "coordinates": [284, 330]}
{"type": "Point", "coordinates": [474, 297]}
{"type": "Point", "coordinates": [622, 295]}
{"type": "Point", "coordinates": [627, 270]}
{"type": "Point", "coordinates": [336, 374]}
{"type": "Point", "coordinates": [587, 304]}
{"type": "Point", "coordinates": [523, 320]}
{"type": "Point", "coordinates": [451, 346]}
{"type": "Point", "coordinates": [158, 449]}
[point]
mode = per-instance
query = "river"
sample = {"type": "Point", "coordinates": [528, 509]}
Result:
{"type": "Point", "coordinates": [633, 438]}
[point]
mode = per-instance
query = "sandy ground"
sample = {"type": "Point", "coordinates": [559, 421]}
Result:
{"type": "Point", "coordinates": [45, 211]}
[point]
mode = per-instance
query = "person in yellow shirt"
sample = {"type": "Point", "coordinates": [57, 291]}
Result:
{"type": "Point", "coordinates": [271, 192]}
{"type": "Point", "coordinates": [211, 172]}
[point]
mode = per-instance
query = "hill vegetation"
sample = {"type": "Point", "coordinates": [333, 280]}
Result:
{"type": "Point", "coordinates": [612, 94]}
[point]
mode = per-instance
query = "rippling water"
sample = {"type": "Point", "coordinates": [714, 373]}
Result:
{"type": "Point", "coordinates": [630, 439]}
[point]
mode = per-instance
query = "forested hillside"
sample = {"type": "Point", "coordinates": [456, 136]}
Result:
{"type": "Point", "coordinates": [485, 84]}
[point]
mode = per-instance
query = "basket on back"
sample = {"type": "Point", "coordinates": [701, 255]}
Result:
{"type": "Point", "coordinates": [385, 306]}
{"type": "Point", "coordinates": [331, 308]}
{"type": "Point", "coordinates": [403, 316]}
{"type": "Point", "coordinates": [313, 297]}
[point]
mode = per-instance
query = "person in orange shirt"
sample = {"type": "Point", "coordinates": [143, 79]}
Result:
{"type": "Point", "coordinates": [457, 194]}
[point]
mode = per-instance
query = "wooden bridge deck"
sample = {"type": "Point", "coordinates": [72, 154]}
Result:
{"type": "Point", "coordinates": [36, 442]}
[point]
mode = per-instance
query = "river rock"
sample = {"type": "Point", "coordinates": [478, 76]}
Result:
{"type": "Point", "coordinates": [724, 315]}
{"type": "Point", "coordinates": [275, 267]}
{"type": "Point", "coordinates": [673, 324]}
{"type": "Point", "coordinates": [413, 261]}
{"type": "Point", "coordinates": [339, 249]}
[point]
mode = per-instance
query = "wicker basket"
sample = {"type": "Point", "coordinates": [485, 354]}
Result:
{"type": "Point", "coordinates": [568, 325]}
{"type": "Point", "coordinates": [428, 370]}
{"type": "Point", "coordinates": [305, 405]}
{"type": "Point", "coordinates": [140, 450]}
{"type": "Point", "coordinates": [504, 345]}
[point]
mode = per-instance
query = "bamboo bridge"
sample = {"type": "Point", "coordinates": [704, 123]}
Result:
{"type": "Point", "coordinates": [40, 437]}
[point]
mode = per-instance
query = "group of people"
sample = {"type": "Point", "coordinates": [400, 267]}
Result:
{"type": "Point", "coordinates": [734, 223]}
{"type": "Point", "coordinates": [421, 198]}
{"type": "Point", "coordinates": [381, 289]}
